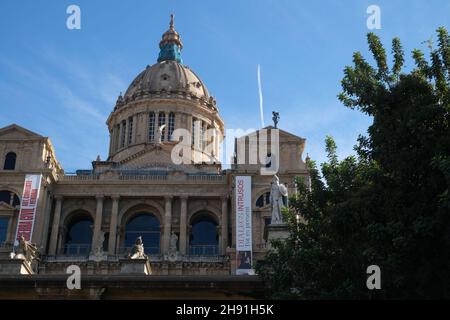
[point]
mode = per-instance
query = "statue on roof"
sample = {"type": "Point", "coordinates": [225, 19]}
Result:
{"type": "Point", "coordinates": [275, 118]}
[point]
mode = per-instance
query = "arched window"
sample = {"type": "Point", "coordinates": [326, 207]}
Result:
{"type": "Point", "coordinates": [193, 131]}
{"type": "Point", "coordinates": [202, 137]}
{"type": "Point", "coordinates": [171, 125]}
{"type": "Point", "coordinates": [203, 239]}
{"type": "Point", "coordinates": [3, 229]}
{"type": "Point", "coordinates": [123, 133]}
{"type": "Point", "coordinates": [263, 200]}
{"type": "Point", "coordinates": [79, 236]}
{"type": "Point", "coordinates": [5, 196]}
{"type": "Point", "coordinates": [162, 121]}
{"type": "Point", "coordinates": [147, 226]}
{"type": "Point", "coordinates": [10, 161]}
{"type": "Point", "coordinates": [130, 130]}
{"type": "Point", "coordinates": [151, 126]}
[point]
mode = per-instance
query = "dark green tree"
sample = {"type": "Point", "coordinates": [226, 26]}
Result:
{"type": "Point", "coordinates": [389, 205]}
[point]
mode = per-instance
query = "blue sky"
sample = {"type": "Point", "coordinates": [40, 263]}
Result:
{"type": "Point", "coordinates": [63, 83]}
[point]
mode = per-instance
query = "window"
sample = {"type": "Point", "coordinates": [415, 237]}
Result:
{"type": "Point", "coordinates": [171, 125]}
{"type": "Point", "coordinates": [209, 138]}
{"type": "Point", "coordinates": [3, 229]}
{"type": "Point", "coordinates": [263, 200]}
{"type": "Point", "coordinates": [162, 121]}
{"type": "Point", "coordinates": [197, 131]}
{"type": "Point", "coordinates": [117, 137]}
{"type": "Point", "coordinates": [151, 126]}
{"type": "Point", "coordinates": [193, 132]}
{"type": "Point", "coordinates": [123, 133]}
{"type": "Point", "coordinates": [10, 161]}
{"type": "Point", "coordinates": [5, 196]}
{"type": "Point", "coordinates": [130, 130]}
{"type": "Point", "coordinates": [203, 239]}
{"type": "Point", "coordinates": [147, 226]}
{"type": "Point", "coordinates": [79, 237]}
{"type": "Point", "coordinates": [202, 136]}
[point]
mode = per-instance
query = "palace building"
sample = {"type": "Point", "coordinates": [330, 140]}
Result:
{"type": "Point", "coordinates": [185, 212]}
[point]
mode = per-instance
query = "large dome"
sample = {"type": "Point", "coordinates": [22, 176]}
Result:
{"type": "Point", "coordinates": [170, 76]}
{"type": "Point", "coordinates": [164, 97]}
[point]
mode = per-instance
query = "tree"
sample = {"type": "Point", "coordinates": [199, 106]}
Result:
{"type": "Point", "coordinates": [389, 205]}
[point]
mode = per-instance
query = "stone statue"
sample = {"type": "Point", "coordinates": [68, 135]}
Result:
{"type": "Point", "coordinates": [159, 133]}
{"type": "Point", "coordinates": [278, 199]}
{"type": "Point", "coordinates": [275, 118]}
{"type": "Point", "coordinates": [173, 242]}
{"type": "Point", "coordinates": [26, 251]}
{"type": "Point", "coordinates": [137, 252]}
{"type": "Point", "coordinates": [97, 252]}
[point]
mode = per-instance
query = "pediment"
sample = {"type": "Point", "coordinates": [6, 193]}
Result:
{"type": "Point", "coordinates": [6, 207]}
{"type": "Point", "coordinates": [283, 135]}
{"type": "Point", "coordinates": [16, 132]}
{"type": "Point", "coordinates": [153, 157]}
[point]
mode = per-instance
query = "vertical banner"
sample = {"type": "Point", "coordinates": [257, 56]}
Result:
{"type": "Point", "coordinates": [28, 206]}
{"type": "Point", "coordinates": [243, 197]}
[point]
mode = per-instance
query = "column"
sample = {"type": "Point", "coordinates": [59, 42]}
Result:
{"type": "Point", "coordinates": [113, 225]}
{"type": "Point", "coordinates": [97, 222]}
{"type": "Point", "coordinates": [167, 223]}
{"type": "Point", "coordinates": [39, 233]}
{"type": "Point", "coordinates": [224, 220]}
{"type": "Point", "coordinates": [111, 141]}
{"type": "Point", "coordinates": [48, 211]}
{"type": "Point", "coordinates": [55, 226]}
{"type": "Point", "coordinates": [183, 229]}
{"type": "Point", "coordinates": [11, 198]}
{"type": "Point", "coordinates": [214, 140]}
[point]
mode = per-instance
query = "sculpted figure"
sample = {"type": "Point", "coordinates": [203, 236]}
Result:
{"type": "Point", "coordinates": [278, 199]}
{"type": "Point", "coordinates": [137, 252]}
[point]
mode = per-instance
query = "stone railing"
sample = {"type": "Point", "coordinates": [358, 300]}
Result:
{"type": "Point", "coordinates": [6, 246]}
{"type": "Point", "coordinates": [206, 177]}
{"type": "Point", "coordinates": [261, 246]}
{"type": "Point", "coordinates": [144, 177]}
{"type": "Point", "coordinates": [203, 250]}
{"type": "Point", "coordinates": [154, 258]}
{"type": "Point", "coordinates": [83, 177]}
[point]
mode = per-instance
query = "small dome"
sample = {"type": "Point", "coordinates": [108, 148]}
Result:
{"type": "Point", "coordinates": [169, 76]}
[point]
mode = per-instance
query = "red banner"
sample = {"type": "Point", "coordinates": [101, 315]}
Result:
{"type": "Point", "coordinates": [28, 206]}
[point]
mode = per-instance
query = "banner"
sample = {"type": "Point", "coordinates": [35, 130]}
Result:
{"type": "Point", "coordinates": [28, 205]}
{"type": "Point", "coordinates": [243, 225]}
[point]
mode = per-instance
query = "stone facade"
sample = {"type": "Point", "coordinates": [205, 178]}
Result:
{"type": "Point", "coordinates": [139, 176]}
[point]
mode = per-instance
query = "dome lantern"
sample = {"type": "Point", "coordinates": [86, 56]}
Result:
{"type": "Point", "coordinates": [170, 44]}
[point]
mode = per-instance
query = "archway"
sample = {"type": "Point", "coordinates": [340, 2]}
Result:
{"type": "Point", "coordinates": [203, 238]}
{"type": "Point", "coordinates": [147, 226]}
{"type": "Point", "coordinates": [78, 237]}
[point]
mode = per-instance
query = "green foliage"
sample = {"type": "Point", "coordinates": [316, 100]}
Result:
{"type": "Point", "coordinates": [390, 204]}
